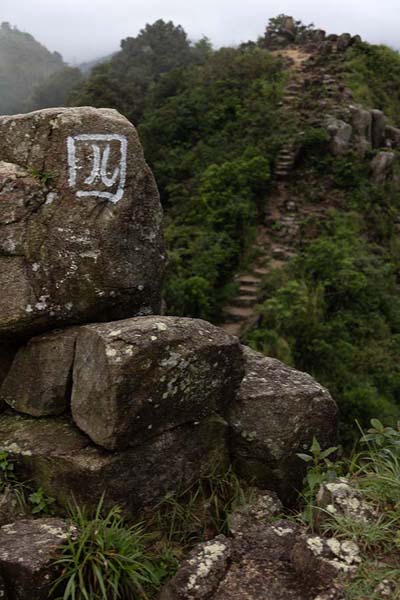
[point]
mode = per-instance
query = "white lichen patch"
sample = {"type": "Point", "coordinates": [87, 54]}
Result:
{"type": "Point", "coordinates": [282, 531]}
{"type": "Point", "coordinates": [161, 326]}
{"type": "Point", "coordinates": [204, 562]}
{"type": "Point", "coordinates": [316, 545]}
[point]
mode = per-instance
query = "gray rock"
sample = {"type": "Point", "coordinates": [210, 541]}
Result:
{"type": "Point", "coordinates": [58, 457]}
{"type": "Point", "coordinates": [341, 499]}
{"type": "Point", "coordinates": [262, 507]}
{"type": "Point", "coordinates": [276, 561]}
{"type": "Point", "coordinates": [28, 549]}
{"type": "Point", "coordinates": [10, 506]}
{"type": "Point", "coordinates": [324, 560]}
{"type": "Point", "coordinates": [201, 573]}
{"type": "Point", "coordinates": [80, 221]}
{"type": "Point", "coordinates": [378, 128]}
{"type": "Point", "coordinates": [277, 413]}
{"type": "Point", "coordinates": [392, 135]}
{"type": "Point", "coordinates": [343, 42]}
{"type": "Point", "coordinates": [361, 120]}
{"type": "Point", "coordinates": [40, 379]}
{"type": "Point", "coordinates": [340, 136]}
{"type": "Point", "coordinates": [382, 166]}
{"type": "Point", "coordinates": [136, 378]}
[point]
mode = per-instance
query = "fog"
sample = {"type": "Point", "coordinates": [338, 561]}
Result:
{"type": "Point", "coordinates": [83, 31]}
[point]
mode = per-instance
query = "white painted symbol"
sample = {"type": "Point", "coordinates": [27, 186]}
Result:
{"type": "Point", "coordinates": [93, 175]}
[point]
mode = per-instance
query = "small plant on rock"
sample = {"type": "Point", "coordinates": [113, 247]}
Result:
{"type": "Point", "coordinates": [108, 560]}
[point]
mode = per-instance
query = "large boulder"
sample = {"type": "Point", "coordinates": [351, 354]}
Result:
{"type": "Point", "coordinates": [40, 379]}
{"type": "Point", "coordinates": [267, 562]}
{"type": "Point", "coordinates": [57, 456]}
{"type": "Point", "coordinates": [80, 221]}
{"type": "Point", "coordinates": [277, 413]}
{"type": "Point", "coordinates": [378, 128]}
{"type": "Point", "coordinates": [28, 550]}
{"type": "Point", "coordinates": [382, 166]}
{"type": "Point", "coordinates": [361, 120]}
{"type": "Point", "coordinates": [340, 134]}
{"type": "Point", "coordinates": [137, 378]}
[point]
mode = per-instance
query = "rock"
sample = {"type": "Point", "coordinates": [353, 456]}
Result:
{"type": "Point", "coordinates": [137, 378]}
{"type": "Point", "coordinates": [82, 171]}
{"type": "Point", "coordinates": [40, 379]}
{"type": "Point", "coordinates": [323, 559]}
{"type": "Point", "coordinates": [3, 591]}
{"type": "Point", "coordinates": [55, 455]}
{"type": "Point", "coordinates": [392, 135]}
{"type": "Point", "coordinates": [270, 562]}
{"type": "Point", "coordinates": [343, 42]}
{"type": "Point", "coordinates": [339, 498]}
{"type": "Point", "coordinates": [340, 136]}
{"type": "Point", "coordinates": [28, 549]}
{"type": "Point", "coordinates": [378, 128]}
{"type": "Point", "coordinates": [7, 354]}
{"type": "Point", "coordinates": [361, 120]}
{"type": "Point", "coordinates": [382, 166]}
{"type": "Point", "coordinates": [200, 575]}
{"type": "Point", "coordinates": [10, 506]}
{"type": "Point", "coordinates": [260, 509]}
{"type": "Point", "coordinates": [277, 413]}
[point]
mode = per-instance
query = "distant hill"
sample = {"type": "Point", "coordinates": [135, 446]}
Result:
{"type": "Point", "coordinates": [87, 67]}
{"type": "Point", "coordinates": [24, 63]}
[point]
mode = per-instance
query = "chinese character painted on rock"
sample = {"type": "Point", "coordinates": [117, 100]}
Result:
{"type": "Point", "coordinates": [97, 165]}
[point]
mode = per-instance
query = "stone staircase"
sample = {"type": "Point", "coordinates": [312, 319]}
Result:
{"type": "Point", "coordinates": [278, 238]}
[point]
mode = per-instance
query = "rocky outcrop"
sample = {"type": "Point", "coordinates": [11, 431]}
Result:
{"type": "Point", "coordinates": [40, 379]}
{"type": "Point", "coordinates": [137, 378]}
{"type": "Point", "coordinates": [80, 221]}
{"type": "Point", "coordinates": [340, 134]}
{"type": "Point", "coordinates": [382, 166]}
{"type": "Point", "coordinates": [28, 549]}
{"type": "Point", "coordinates": [277, 413]}
{"type": "Point", "coordinates": [55, 455]}
{"type": "Point", "coordinates": [278, 561]}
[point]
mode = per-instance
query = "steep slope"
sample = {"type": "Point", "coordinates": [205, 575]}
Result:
{"type": "Point", "coordinates": [24, 62]}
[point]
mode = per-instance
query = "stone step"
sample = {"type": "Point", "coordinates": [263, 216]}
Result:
{"type": "Point", "coordinates": [249, 280]}
{"type": "Point", "coordinates": [261, 271]}
{"type": "Point", "coordinates": [248, 290]}
{"type": "Point", "coordinates": [244, 301]}
{"type": "Point", "coordinates": [234, 313]}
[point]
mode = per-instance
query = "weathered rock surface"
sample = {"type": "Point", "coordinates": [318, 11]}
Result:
{"type": "Point", "coordinates": [340, 134]}
{"type": "Point", "coordinates": [28, 549]}
{"type": "Point", "coordinates": [361, 120]}
{"type": "Point", "coordinates": [137, 378]}
{"type": "Point", "coordinates": [201, 574]}
{"type": "Point", "coordinates": [277, 413]}
{"type": "Point", "coordinates": [80, 221]}
{"type": "Point", "coordinates": [263, 507]}
{"type": "Point", "coordinates": [55, 455]}
{"type": "Point", "coordinates": [7, 354]}
{"type": "Point", "coordinates": [343, 42]}
{"type": "Point", "coordinates": [378, 128]}
{"type": "Point", "coordinates": [10, 506]}
{"type": "Point", "coordinates": [382, 166]}
{"type": "Point", "coordinates": [40, 379]}
{"type": "Point", "coordinates": [339, 498]}
{"type": "Point", "coordinates": [269, 562]}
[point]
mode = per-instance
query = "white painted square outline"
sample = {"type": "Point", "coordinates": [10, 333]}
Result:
{"type": "Point", "coordinates": [72, 166]}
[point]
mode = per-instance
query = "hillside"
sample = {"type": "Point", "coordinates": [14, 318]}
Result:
{"type": "Point", "coordinates": [24, 63]}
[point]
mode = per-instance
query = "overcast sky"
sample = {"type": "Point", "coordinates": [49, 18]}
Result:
{"type": "Point", "coordinates": [85, 29]}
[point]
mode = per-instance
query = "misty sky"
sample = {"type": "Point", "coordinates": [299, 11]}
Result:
{"type": "Point", "coordinates": [85, 29]}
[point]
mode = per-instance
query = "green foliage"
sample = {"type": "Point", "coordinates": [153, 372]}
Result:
{"type": "Point", "coordinates": [41, 503]}
{"type": "Point", "coordinates": [24, 63]}
{"type": "Point", "coordinates": [107, 560]}
{"type": "Point", "coordinates": [335, 312]}
{"type": "Point", "coordinates": [373, 74]}
{"type": "Point", "coordinates": [210, 133]}
{"type": "Point", "coordinates": [7, 475]}
{"type": "Point", "coordinates": [375, 472]}
{"type": "Point", "coordinates": [202, 511]}
{"type": "Point", "coordinates": [125, 80]}
{"type": "Point", "coordinates": [320, 469]}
